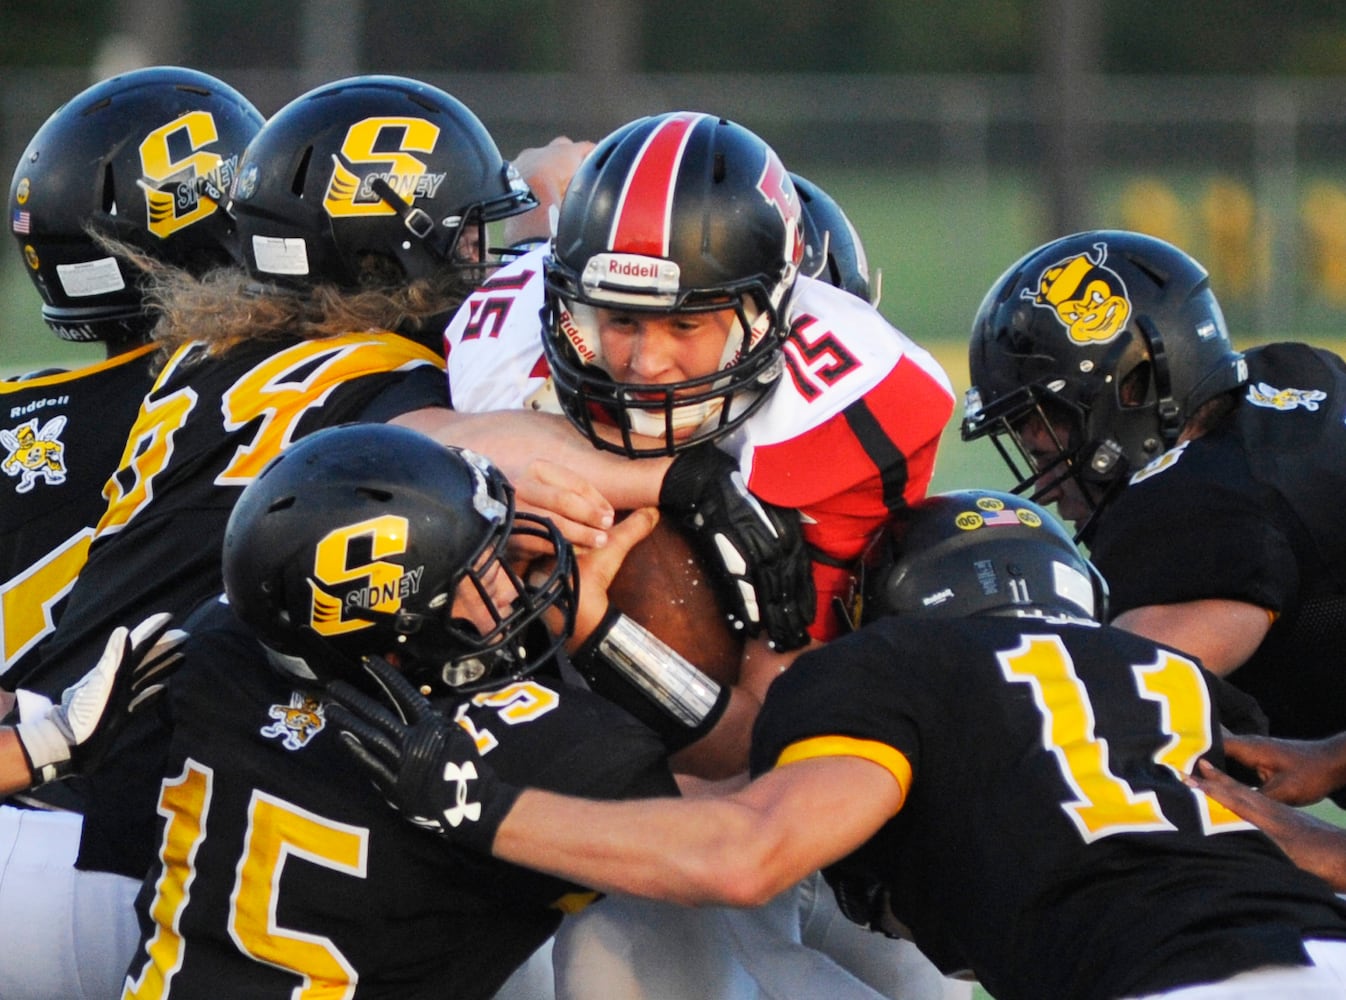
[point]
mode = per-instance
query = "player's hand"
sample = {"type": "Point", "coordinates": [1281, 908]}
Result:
{"type": "Point", "coordinates": [75, 734]}
{"type": "Point", "coordinates": [1313, 844]}
{"type": "Point", "coordinates": [547, 171]}
{"type": "Point", "coordinates": [755, 550]}
{"type": "Point", "coordinates": [599, 567]}
{"type": "Point", "coordinates": [1297, 772]}
{"type": "Point", "coordinates": [425, 764]}
{"type": "Point", "coordinates": [571, 502]}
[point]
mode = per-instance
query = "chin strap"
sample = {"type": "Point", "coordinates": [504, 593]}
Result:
{"type": "Point", "coordinates": [1170, 413]}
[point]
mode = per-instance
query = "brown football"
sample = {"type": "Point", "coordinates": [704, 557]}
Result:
{"type": "Point", "coordinates": [664, 586]}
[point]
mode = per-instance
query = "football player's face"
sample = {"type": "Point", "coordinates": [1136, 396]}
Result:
{"type": "Point", "coordinates": [468, 249]}
{"type": "Point", "coordinates": [1043, 444]}
{"type": "Point", "coordinates": [659, 348]}
{"type": "Point", "coordinates": [468, 604]}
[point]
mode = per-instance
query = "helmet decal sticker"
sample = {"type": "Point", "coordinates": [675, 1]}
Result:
{"type": "Point", "coordinates": [641, 222]}
{"type": "Point", "coordinates": [90, 277]}
{"type": "Point", "coordinates": [779, 192]}
{"type": "Point", "coordinates": [181, 190]}
{"type": "Point", "coordinates": [358, 553]}
{"type": "Point", "coordinates": [991, 512]}
{"type": "Point", "coordinates": [388, 142]}
{"type": "Point", "coordinates": [1088, 299]}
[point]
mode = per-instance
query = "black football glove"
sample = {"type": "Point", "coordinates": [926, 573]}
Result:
{"type": "Point", "coordinates": [74, 735]}
{"type": "Point", "coordinates": [754, 549]}
{"type": "Point", "coordinates": [424, 763]}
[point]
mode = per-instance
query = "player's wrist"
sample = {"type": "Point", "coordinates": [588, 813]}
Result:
{"type": "Point", "coordinates": [45, 747]}
{"type": "Point", "coordinates": [628, 664]}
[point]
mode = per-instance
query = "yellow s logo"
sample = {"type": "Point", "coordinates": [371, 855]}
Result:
{"type": "Point", "coordinates": [162, 160]}
{"type": "Point", "coordinates": [358, 552]}
{"type": "Point", "coordinates": [390, 144]}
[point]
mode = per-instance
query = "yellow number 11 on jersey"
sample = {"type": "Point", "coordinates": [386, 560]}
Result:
{"type": "Point", "coordinates": [1105, 804]}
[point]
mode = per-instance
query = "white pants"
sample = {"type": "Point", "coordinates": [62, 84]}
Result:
{"type": "Point", "coordinates": [1324, 980]}
{"type": "Point", "coordinates": [797, 946]}
{"type": "Point", "coordinates": [531, 981]}
{"type": "Point", "coordinates": [64, 933]}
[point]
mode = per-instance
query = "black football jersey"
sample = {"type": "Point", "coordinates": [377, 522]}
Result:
{"type": "Point", "coordinates": [281, 866]}
{"type": "Point", "coordinates": [1046, 841]}
{"type": "Point", "coordinates": [205, 429]}
{"type": "Point", "coordinates": [1249, 512]}
{"type": "Point", "coordinates": [61, 437]}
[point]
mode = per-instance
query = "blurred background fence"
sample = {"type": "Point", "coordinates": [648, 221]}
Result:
{"type": "Point", "coordinates": [1218, 125]}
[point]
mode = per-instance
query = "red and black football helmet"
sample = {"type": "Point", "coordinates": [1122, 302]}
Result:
{"type": "Point", "coordinates": [832, 249]}
{"type": "Point", "coordinates": [1115, 337]}
{"type": "Point", "coordinates": [680, 212]}
{"type": "Point", "coordinates": [147, 158]}
{"type": "Point", "coordinates": [983, 552]}
{"type": "Point", "coordinates": [372, 180]}
{"type": "Point", "coordinates": [353, 543]}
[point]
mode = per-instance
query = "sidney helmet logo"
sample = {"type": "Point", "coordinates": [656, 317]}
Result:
{"type": "Point", "coordinates": [1088, 299]}
{"type": "Point", "coordinates": [181, 190]}
{"type": "Point", "coordinates": [352, 574]}
{"type": "Point", "coordinates": [385, 146]}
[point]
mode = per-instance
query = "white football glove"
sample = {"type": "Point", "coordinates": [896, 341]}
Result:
{"type": "Point", "coordinates": [133, 668]}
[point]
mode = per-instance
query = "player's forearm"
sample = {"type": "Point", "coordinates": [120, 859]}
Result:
{"type": "Point", "coordinates": [722, 752]}
{"type": "Point", "coordinates": [513, 439]}
{"type": "Point", "coordinates": [690, 852]}
{"type": "Point", "coordinates": [1221, 633]}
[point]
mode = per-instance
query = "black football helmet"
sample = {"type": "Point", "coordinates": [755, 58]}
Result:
{"type": "Point", "coordinates": [832, 249]}
{"type": "Point", "coordinates": [353, 543]}
{"type": "Point", "coordinates": [372, 180]}
{"type": "Point", "coordinates": [147, 158]}
{"type": "Point", "coordinates": [1113, 340]}
{"type": "Point", "coordinates": [983, 552]}
{"type": "Point", "coordinates": [680, 212]}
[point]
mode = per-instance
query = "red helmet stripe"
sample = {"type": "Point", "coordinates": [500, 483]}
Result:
{"type": "Point", "coordinates": [641, 222]}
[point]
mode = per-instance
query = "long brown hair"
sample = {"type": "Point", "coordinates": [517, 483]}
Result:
{"type": "Point", "coordinates": [225, 306]}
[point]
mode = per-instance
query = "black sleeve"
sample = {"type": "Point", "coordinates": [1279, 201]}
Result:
{"type": "Point", "coordinates": [421, 387]}
{"type": "Point", "coordinates": [1157, 545]}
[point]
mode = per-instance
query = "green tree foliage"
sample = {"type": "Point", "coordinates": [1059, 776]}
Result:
{"type": "Point", "coordinates": [54, 33]}
{"type": "Point", "coordinates": [1233, 37]}
{"type": "Point", "coordinates": [755, 36]}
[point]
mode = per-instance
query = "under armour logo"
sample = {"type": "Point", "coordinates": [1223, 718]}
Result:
{"type": "Point", "coordinates": [462, 809]}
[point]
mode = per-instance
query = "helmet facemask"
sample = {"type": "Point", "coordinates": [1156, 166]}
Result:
{"type": "Point", "coordinates": [1041, 438]}
{"type": "Point", "coordinates": [466, 638]}
{"type": "Point", "coordinates": [677, 415]}
{"type": "Point", "coordinates": [680, 213]}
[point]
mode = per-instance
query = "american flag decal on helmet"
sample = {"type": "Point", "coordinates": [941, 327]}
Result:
{"type": "Point", "coordinates": [641, 222]}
